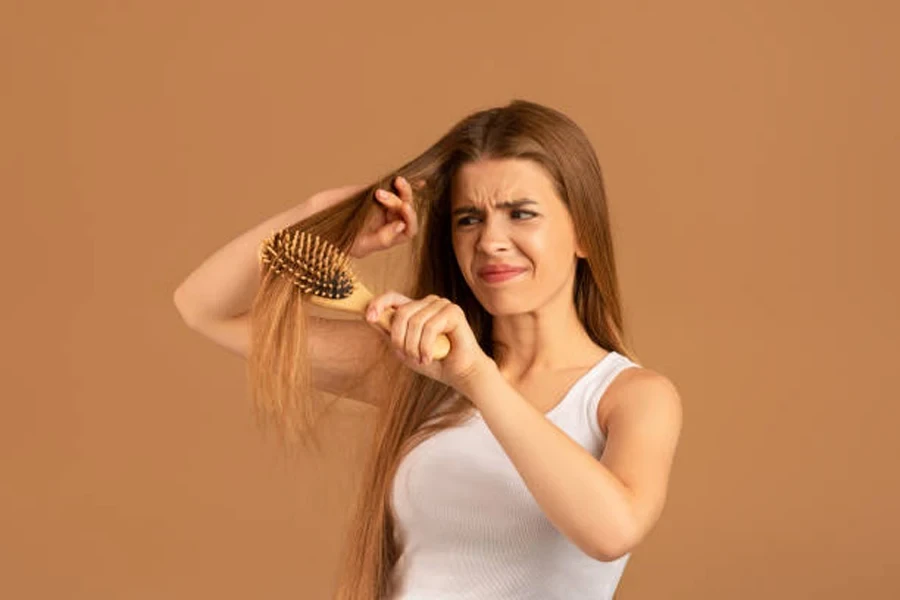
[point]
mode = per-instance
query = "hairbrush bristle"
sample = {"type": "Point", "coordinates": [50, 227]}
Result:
{"type": "Point", "coordinates": [313, 264]}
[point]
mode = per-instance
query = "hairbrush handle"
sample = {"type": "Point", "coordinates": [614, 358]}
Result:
{"type": "Point", "coordinates": [357, 303]}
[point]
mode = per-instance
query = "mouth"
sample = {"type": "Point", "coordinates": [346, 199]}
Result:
{"type": "Point", "coordinates": [499, 275]}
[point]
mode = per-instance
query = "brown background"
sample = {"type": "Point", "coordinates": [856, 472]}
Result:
{"type": "Point", "coordinates": [750, 151]}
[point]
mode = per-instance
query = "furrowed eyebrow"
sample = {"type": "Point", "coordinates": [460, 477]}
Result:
{"type": "Point", "coordinates": [469, 209]}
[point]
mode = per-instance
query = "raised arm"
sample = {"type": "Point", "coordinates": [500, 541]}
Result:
{"type": "Point", "coordinates": [214, 300]}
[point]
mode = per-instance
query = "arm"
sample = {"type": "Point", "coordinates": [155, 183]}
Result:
{"type": "Point", "coordinates": [224, 285]}
{"type": "Point", "coordinates": [604, 506]}
{"type": "Point", "coordinates": [345, 355]}
{"type": "Point", "coordinates": [215, 298]}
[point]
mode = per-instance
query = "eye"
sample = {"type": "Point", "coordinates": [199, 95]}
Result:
{"type": "Point", "coordinates": [528, 214]}
{"type": "Point", "coordinates": [467, 220]}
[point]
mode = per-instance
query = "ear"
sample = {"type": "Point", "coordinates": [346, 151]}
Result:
{"type": "Point", "coordinates": [579, 252]}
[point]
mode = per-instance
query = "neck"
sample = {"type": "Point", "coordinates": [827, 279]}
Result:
{"type": "Point", "coordinates": [549, 339]}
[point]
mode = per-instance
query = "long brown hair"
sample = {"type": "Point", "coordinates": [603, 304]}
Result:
{"type": "Point", "coordinates": [417, 406]}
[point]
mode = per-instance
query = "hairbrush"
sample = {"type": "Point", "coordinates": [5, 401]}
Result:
{"type": "Point", "coordinates": [321, 271]}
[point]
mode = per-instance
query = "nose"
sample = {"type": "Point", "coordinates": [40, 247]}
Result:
{"type": "Point", "coordinates": [493, 238]}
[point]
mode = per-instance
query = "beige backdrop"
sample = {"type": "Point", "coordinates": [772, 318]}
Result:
{"type": "Point", "coordinates": [750, 150]}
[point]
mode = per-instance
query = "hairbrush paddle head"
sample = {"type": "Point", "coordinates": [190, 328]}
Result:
{"type": "Point", "coordinates": [314, 265]}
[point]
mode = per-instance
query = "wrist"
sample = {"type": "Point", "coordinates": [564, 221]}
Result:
{"type": "Point", "coordinates": [477, 377]}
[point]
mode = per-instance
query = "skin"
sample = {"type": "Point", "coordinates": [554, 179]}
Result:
{"type": "Point", "coordinates": [606, 506]}
{"type": "Point", "coordinates": [534, 315]}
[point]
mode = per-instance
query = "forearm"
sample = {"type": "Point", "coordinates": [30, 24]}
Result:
{"type": "Point", "coordinates": [578, 494]}
{"type": "Point", "coordinates": [224, 285]}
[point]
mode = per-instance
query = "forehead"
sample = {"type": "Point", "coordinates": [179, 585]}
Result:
{"type": "Point", "coordinates": [487, 181]}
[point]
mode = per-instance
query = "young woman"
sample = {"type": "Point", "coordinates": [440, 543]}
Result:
{"type": "Point", "coordinates": [531, 460]}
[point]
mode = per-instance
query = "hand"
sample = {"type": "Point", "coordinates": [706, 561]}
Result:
{"type": "Point", "coordinates": [414, 327]}
{"type": "Point", "coordinates": [394, 222]}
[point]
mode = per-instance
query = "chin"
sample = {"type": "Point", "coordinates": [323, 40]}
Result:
{"type": "Point", "coordinates": [506, 300]}
{"type": "Point", "coordinates": [505, 308]}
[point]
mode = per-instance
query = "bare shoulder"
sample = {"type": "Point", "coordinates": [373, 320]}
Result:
{"type": "Point", "coordinates": [636, 390]}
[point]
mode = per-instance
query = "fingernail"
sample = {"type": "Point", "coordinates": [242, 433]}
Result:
{"type": "Point", "coordinates": [399, 227]}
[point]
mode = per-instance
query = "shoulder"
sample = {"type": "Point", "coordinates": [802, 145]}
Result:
{"type": "Point", "coordinates": [635, 392]}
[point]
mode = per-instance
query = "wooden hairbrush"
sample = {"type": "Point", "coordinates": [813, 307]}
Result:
{"type": "Point", "coordinates": [323, 272]}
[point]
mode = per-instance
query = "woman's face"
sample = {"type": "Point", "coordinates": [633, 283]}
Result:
{"type": "Point", "coordinates": [512, 235]}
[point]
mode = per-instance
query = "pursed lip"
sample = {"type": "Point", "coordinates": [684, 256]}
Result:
{"type": "Point", "coordinates": [499, 269]}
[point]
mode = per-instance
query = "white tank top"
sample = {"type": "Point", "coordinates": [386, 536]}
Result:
{"type": "Point", "coordinates": [469, 528]}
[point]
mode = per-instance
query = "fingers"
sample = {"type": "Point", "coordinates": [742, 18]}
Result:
{"type": "Point", "coordinates": [414, 324]}
{"type": "Point", "coordinates": [408, 315]}
{"type": "Point", "coordinates": [379, 307]}
{"type": "Point", "coordinates": [408, 212]}
{"type": "Point", "coordinates": [419, 317]}
{"type": "Point", "coordinates": [405, 189]}
{"type": "Point", "coordinates": [389, 233]}
{"type": "Point", "coordinates": [436, 325]}
{"type": "Point", "coordinates": [401, 205]}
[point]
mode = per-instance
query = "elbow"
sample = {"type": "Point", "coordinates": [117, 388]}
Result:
{"type": "Point", "coordinates": [609, 554]}
{"type": "Point", "coordinates": [612, 548]}
{"type": "Point", "coordinates": [182, 307]}
{"type": "Point", "coordinates": [178, 301]}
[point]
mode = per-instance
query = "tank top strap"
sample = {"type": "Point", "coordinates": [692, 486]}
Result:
{"type": "Point", "coordinates": [598, 383]}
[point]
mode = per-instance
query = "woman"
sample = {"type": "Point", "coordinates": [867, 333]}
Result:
{"type": "Point", "coordinates": [531, 460]}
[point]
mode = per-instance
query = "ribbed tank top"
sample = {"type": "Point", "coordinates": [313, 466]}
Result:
{"type": "Point", "coordinates": [469, 528]}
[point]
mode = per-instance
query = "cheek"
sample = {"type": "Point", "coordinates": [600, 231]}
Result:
{"type": "Point", "coordinates": [462, 253]}
{"type": "Point", "coordinates": [552, 251]}
{"type": "Point", "coordinates": [540, 246]}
